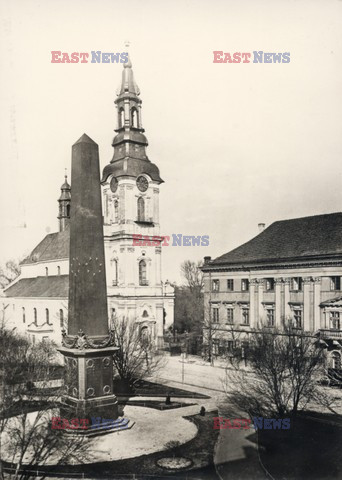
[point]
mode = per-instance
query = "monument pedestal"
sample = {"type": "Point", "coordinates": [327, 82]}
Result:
{"type": "Point", "coordinates": [89, 388]}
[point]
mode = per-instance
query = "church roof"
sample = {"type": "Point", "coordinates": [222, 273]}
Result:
{"type": "Point", "coordinates": [54, 246]}
{"type": "Point", "coordinates": [132, 167]}
{"type": "Point", "coordinates": [288, 240]}
{"type": "Point", "coordinates": [52, 286]}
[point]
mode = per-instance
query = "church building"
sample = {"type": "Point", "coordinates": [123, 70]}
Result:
{"type": "Point", "coordinates": [38, 298]}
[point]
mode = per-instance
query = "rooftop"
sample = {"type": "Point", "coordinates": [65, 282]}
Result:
{"type": "Point", "coordinates": [52, 286]}
{"type": "Point", "coordinates": [54, 246]}
{"type": "Point", "coordinates": [296, 239]}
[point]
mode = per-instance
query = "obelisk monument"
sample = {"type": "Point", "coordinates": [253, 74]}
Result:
{"type": "Point", "coordinates": [88, 345]}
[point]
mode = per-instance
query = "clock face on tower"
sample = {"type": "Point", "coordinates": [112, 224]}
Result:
{"type": "Point", "coordinates": [114, 184]}
{"type": "Point", "coordinates": [142, 183]}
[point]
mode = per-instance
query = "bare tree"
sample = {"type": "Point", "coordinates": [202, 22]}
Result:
{"type": "Point", "coordinates": [9, 272]}
{"type": "Point", "coordinates": [285, 368]}
{"type": "Point", "coordinates": [27, 406]}
{"type": "Point", "coordinates": [193, 275]}
{"type": "Point", "coordinates": [137, 357]}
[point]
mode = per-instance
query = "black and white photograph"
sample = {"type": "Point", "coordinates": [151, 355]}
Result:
{"type": "Point", "coordinates": [171, 239]}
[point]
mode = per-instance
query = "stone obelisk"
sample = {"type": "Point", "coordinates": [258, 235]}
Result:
{"type": "Point", "coordinates": [88, 345]}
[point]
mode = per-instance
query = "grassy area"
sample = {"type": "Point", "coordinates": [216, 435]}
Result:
{"type": "Point", "coordinates": [158, 405]}
{"type": "Point", "coordinates": [151, 389]}
{"type": "Point", "coordinates": [310, 449]}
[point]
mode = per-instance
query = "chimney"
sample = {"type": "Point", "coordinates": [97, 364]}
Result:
{"type": "Point", "coordinates": [261, 227]}
{"type": "Point", "coordinates": [206, 260]}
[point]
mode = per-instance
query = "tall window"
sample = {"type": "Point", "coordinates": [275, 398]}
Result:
{"type": "Point", "coordinates": [35, 316]}
{"type": "Point", "coordinates": [46, 271]}
{"type": "Point", "coordinates": [245, 316]}
{"type": "Point", "coordinates": [297, 284]}
{"type": "Point", "coordinates": [114, 263]}
{"type": "Point", "coordinates": [269, 283]}
{"type": "Point", "coordinates": [244, 284]}
{"type": "Point", "coordinates": [335, 283]}
{"type": "Point", "coordinates": [216, 315]}
{"type": "Point", "coordinates": [230, 285]}
{"type": "Point", "coordinates": [141, 209]}
{"type": "Point", "coordinates": [68, 210]}
{"type": "Point", "coordinates": [116, 211]}
{"type": "Point", "coordinates": [216, 286]}
{"type": "Point", "coordinates": [142, 273]}
{"type": "Point", "coordinates": [61, 318]}
{"type": "Point", "coordinates": [335, 320]}
{"type": "Point", "coordinates": [270, 317]}
{"type": "Point", "coordinates": [336, 360]}
{"type": "Point", "coordinates": [134, 118]}
{"type": "Point", "coordinates": [297, 318]}
{"type": "Point", "coordinates": [58, 270]}
{"type": "Point", "coordinates": [24, 315]}
{"type": "Point", "coordinates": [47, 316]}
{"type": "Point", "coordinates": [230, 315]}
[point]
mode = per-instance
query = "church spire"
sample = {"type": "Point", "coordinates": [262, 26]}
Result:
{"type": "Point", "coordinates": [64, 205]}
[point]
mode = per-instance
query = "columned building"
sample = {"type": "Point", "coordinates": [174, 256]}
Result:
{"type": "Point", "coordinates": [291, 271]}
{"type": "Point", "coordinates": [37, 300]}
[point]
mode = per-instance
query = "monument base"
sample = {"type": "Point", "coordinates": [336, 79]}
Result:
{"type": "Point", "coordinates": [89, 404]}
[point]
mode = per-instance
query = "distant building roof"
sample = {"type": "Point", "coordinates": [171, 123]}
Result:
{"type": "Point", "coordinates": [54, 246]}
{"type": "Point", "coordinates": [53, 286]}
{"type": "Point", "coordinates": [298, 239]}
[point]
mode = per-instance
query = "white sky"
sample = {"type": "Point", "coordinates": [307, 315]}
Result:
{"type": "Point", "coordinates": [237, 144]}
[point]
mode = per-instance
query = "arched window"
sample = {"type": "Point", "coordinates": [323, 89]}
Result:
{"type": "Point", "coordinates": [61, 318]}
{"type": "Point", "coordinates": [145, 314]}
{"type": "Point", "coordinates": [46, 271]}
{"type": "Point", "coordinates": [114, 265]}
{"type": "Point", "coordinates": [142, 273]}
{"type": "Point", "coordinates": [35, 316]}
{"type": "Point", "coordinates": [336, 360]}
{"type": "Point", "coordinates": [58, 270]}
{"type": "Point", "coordinates": [47, 315]}
{"type": "Point", "coordinates": [141, 209]}
{"type": "Point", "coordinates": [121, 118]}
{"type": "Point", "coordinates": [68, 210]}
{"type": "Point", "coordinates": [24, 316]}
{"type": "Point", "coordinates": [134, 117]}
{"type": "Point", "coordinates": [116, 211]}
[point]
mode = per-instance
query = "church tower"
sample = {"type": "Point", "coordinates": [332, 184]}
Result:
{"type": "Point", "coordinates": [131, 207]}
{"type": "Point", "coordinates": [64, 205]}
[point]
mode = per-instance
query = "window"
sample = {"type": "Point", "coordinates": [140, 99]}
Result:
{"type": "Point", "coordinates": [47, 315]}
{"type": "Point", "coordinates": [269, 283]}
{"type": "Point", "coordinates": [58, 270]}
{"type": "Point", "coordinates": [216, 286]}
{"type": "Point", "coordinates": [335, 283]}
{"type": "Point", "coordinates": [230, 285]}
{"type": "Point", "coordinates": [114, 265]}
{"type": "Point", "coordinates": [245, 316]}
{"type": "Point", "coordinates": [45, 339]}
{"type": "Point", "coordinates": [46, 271]}
{"type": "Point", "coordinates": [68, 210]}
{"type": "Point", "coordinates": [33, 339]}
{"type": "Point", "coordinates": [134, 118]}
{"type": "Point", "coordinates": [270, 317]}
{"type": "Point", "coordinates": [142, 273]}
{"type": "Point", "coordinates": [297, 318]}
{"type": "Point", "coordinates": [61, 318]}
{"type": "Point", "coordinates": [216, 345]}
{"type": "Point", "coordinates": [336, 360]}
{"type": "Point", "coordinates": [35, 316]}
{"type": "Point", "coordinates": [141, 209]}
{"type": "Point", "coordinates": [24, 316]}
{"type": "Point", "coordinates": [216, 315]}
{"type": "Point", "coordinates": [230, 315]}
{"type": "Point", "coordinates": [116, 211]}
{"type": "Point", "coordinates": [245, 285]}
{"type": "Point", "coordinates": [113, 313]}
{"type": "Point", "coordinates": [145, 314]}
{"type": "Point", "coordinates": [296, 284]}
{"type": "Point", "coordinates": [334, 320]}
{"type": "Point", "coordinates": [230, 345]}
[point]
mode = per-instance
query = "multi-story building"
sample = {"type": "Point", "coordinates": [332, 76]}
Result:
{"type": "Point", "coordinates": [291, 270]}
{"type": "Point", "coordinates": [38, 299]}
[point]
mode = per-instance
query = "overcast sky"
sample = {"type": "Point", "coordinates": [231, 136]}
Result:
{"type": "Point", "coordinates": [237, 144]}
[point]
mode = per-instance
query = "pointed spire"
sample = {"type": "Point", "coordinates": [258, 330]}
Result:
{"type": "Point", "coordinates": [128, 84]}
